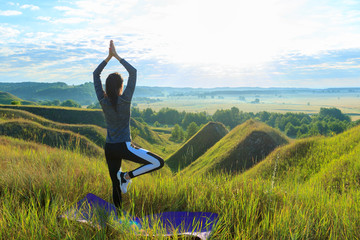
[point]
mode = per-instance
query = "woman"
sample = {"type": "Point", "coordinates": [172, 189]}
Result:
{"type": "Point", "coordinates": [116, 107]}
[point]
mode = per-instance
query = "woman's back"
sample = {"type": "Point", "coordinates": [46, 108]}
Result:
{"type": "Point", "coordinates": [118, 122]}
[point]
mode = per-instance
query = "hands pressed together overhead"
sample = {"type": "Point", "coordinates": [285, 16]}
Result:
{"type": "Point", "coordinates": [112, 52]}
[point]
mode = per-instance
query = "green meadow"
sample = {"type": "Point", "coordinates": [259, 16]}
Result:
{"type": "Point", "coordinates": [310, 104]}
{"type": "Point", "coordinates": [299, 189]}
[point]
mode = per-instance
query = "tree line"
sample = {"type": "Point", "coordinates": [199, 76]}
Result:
{"type": "Point", "coordinates": [327, 122]}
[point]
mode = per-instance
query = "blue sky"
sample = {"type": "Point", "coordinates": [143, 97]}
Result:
{"type": "Point", "coordinates": [185, 43]}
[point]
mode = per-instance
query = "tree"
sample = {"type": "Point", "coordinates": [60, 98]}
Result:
{"type": "Point", "coordinates": [15, 103]}
{"type": "Point", "coordinates": [198, 118]}
{"type": "Point", "coordinates": [70, 103]}
{"type": "Point", "coordinates": [226, 117]}
{"type": "Point", "coordinates": [134, 132]}
{"type": "Point", "coordinates": [168, 116]}
{"type": "Point", "coordinates": [94, 106]}
{"type": "Point", "coordinates": [263, 116]}
{"type": "Point", "coordinates": [337, 127]}
{"type": "Point", "coordinates": [290, 130]}
{"type": "Point", "coordinates": [191, 130]}
{"type": "Point", "coordinates": [135, 112]}
{"type": "Point", "coordinates": [148, 115]}
{"type": "Point", "coordinates": [333, 112]}
{"type": "Point", "coordinates": [177, 133]}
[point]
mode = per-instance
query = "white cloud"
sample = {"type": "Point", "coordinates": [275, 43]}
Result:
{"type": "Point", "coordinates": [10, 13]}
{"type": "Point", "coordinates": [68, 20]}
{"type": "Point", "coordinates": [30, 6]}
{"type": "Point", "coordinates": [346, 65]}
{"type": "Point", "coordinates": [202, 38]}
{"type": "Point", "coordinates": [112, 9]}
{"type": "Point", "coordinates": [43, 18]}
{"type": "Point", "coordinates": [8, 32]}
{"type": "Point", "coordinates": [67, 10]}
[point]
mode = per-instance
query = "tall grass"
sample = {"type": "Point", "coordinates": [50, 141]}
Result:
{"type": "Point", "coordinates": [37, 183]}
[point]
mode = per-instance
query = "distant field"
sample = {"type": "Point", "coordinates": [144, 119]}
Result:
{"type": "Point", "coordinates": [300, 103]}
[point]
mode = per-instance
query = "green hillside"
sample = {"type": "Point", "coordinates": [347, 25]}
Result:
{"type": "Point", "coordinates": [246, 145]}
{"type": "Point", "coordinates": [94, 133]}
{"type": "Point", "coordinates": [78, 120]}
{"type": "Point", "coordinates": [145, 132]}
{"type": "Point", "coordinates": [32, 131]}
{"type": "Point", "coordinates": [83, 93]}
{"type": "Point", "coordinates": [197, 145]}
{"type": "Point", "coordinates": [35, 91]}
{"type": "Point", "coordinates": [65, 114]}
{"type": "Point", "coordinates": [7, 98]}
{"type": "Point", "coordinates": [308, 189]}
{"type": "Point", "coordinates": [333, 162]}
{"type": "Point", "coordinates": [145, 136]}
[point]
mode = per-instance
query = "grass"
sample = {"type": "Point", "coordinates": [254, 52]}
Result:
{"type": "Point", "coordinates": [197, 145]}
{"type": "Point", "coordinates": [66, 115]}
{"type": "Point", "coordinates": [318, 157]}
{"type": "Point", "coordinates": [94, 133]}
{"type": "Point", "coordinates": [308, 189]}
{"type": "Point", "coordinates": [239, 150]}
{"type": "Point", "coordinates": [146, 138]}
{"type": "Point", "coordinates": [32, 131]}
{"type": "Point", "coordinates": [308, 103]}
{"type": "Point", "coordinates": [7, 98]}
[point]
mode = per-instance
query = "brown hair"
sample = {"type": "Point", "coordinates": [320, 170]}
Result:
{"type": "Point", "coordinates": [114, 83]}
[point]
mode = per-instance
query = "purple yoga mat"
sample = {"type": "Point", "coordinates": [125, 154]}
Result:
{"type": "Point", "coordinates": [199, 224]}
{"type": "Point", "coordinates": [88, 210]}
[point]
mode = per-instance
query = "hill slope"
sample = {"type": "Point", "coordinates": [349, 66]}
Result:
{"type": "Point", "coordinates": [240, 149]}
{"type": "Point", "coordinates": [65, 114]}
{"type": "Point", "coordinates": [32, 131]}
{"type": "Point", "coordinates": [145, 132]}
{"type": "Point", "coordinates": [72, 118]}
{"type": "Point", "coordinates": [92, 132]}
{"type": "Point", "coordinates": [146, 137]}
{"type": "Point", "coordinates": [197, 145]}
{"type": "Point", "coordinates": [332, 161]}
{"type": "Point", "coordinates": [7, 98]}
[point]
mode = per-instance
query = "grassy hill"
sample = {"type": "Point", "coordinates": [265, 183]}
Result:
{"type": "Point", "coordinates": [197, 145]}
{"type": "Point", "coordinates": [31, 131]}
{"type": "Point", "coordinates": [35, 91]}
{"type": "Point", "coordinates": [65, 114]}
{"type": "Point", "coordinates": [37, 183]}
{"type": "Point", "coordinates": [92, 132]}
{"type": "Point", "coordinates": [7, 98]}
{"type": "Point", "coordinates": [145, 132]}
{"type": "Point", "coordinates": [83, 93]}
{"type": "Point", "coordinates": [333, 162]}
{"type": "Point", "coordinates": [246, 145]}
{"type": "Point", "coordinates": [146, 138]}
{"type": "Point", "coordinates": [77, 120]}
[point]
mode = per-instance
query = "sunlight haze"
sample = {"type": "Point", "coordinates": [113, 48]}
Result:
{"type": "Point", "coordinates": [231, 43]}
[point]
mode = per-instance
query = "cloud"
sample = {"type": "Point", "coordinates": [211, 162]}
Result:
{"type": "Point", "coordinates": [68, 20]}
{"type": "Point", "coordinates": [10, 13]}
{"type": "Point", "coordinates": [112, 9]}
{"type": "Point", "coordinates": [191, 43]}
{"type": "Point", "coordinates": [43, 18]}
{"type": "Point", "coordinates": [30, 6]}
{"type": "Point", "coordinates": [8, 32]}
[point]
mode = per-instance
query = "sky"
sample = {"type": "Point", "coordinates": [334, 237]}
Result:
{"type": "Point", "coordinates": [184, 43]}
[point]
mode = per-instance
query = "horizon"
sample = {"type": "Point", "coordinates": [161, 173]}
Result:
{"type": "Point", "coordinates": [263, 43]}
{"type": "Point", "coordinates": [310, 88]}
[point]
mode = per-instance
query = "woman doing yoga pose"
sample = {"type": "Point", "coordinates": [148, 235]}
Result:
{"type": "Point", "coordinates": [116, 107]}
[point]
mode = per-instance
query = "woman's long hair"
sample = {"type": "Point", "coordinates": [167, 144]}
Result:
{"type": "Point", "coordinates": [113, 85]}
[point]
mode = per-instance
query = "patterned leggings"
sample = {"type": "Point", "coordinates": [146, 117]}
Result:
{"type": "Point", "coordinates": [115, 152]}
